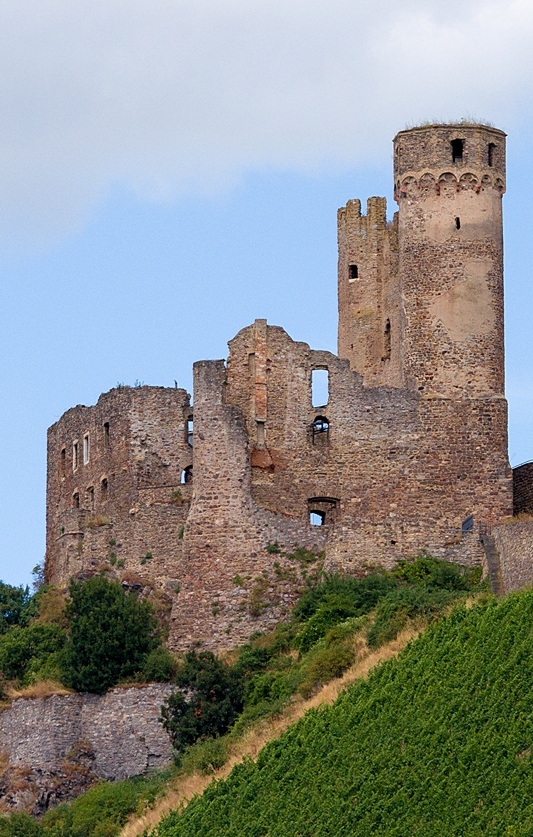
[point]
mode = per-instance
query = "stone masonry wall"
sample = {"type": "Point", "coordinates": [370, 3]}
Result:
{"type": "Point", "coordinates": [514, 542]}
{"type": "Point", "coordinates": [523, 489]}
{"type": "Point", "coordinates": [57, 746]}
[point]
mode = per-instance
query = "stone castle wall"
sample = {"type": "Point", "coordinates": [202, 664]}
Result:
{"type": "Point", "coordinates": [55, 747]}
{"type": "Point", "coordinates": [411, 443]}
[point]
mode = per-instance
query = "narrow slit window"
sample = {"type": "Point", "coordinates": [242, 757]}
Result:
{"type": "Point", "coordinates": [76, 500]}
{"type": "Point", "coordinates": [319, 387]}
{"type": "Point", "coordinates": [353, 272]}
{"type": "Point", "coordinates": [75, 456]}
{"type": "Point", "coordinates": [190, 431]}
{"type": "Point", "coordinates": [90, 498]}
{"type": "Point", "coordinates": [63, 460]}
{"type": "Point", "coordinates": [457, 150]}
{"type": "Point", "coordinates": [260, 428]}
{"type": "Point", "coordinates": [86, 449]}
{"type": "Point", "coordinates": [106, 434]}
{"type": "Point", "coordinates": [491, 154]}
{"type": "Point", "coordinates": [103, 488]}
{"type": "Point", "coordinates": [387, 341]}
{"type": "Point", "coordinates": [457, 223]}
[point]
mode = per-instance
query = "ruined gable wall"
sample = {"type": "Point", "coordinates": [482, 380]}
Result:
{"type": "Point", "coordinates": [406, 471]}
{"type": "Point", "coordinates": [141, 457]}
{"type": "Point", "coordinates": [369, 304]}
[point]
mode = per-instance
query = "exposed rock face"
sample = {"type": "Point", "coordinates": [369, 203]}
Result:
{"type": "Point", "coordinates": [54, 748]}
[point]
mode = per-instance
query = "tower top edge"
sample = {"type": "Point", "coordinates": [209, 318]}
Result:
{"type": "Point", "coordinates": [451, 126]}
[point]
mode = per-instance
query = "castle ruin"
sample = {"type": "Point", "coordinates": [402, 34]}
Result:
{"type": "Point", "coordinates": [205, 508]}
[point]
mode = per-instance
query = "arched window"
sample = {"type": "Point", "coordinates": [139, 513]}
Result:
{"type": "Point", "coordinates": [75, 500]}
{"type": "Point", "coordinates": [103, 488]}
{"type": "Point", "coordinates": [320, 430]}
{"type": "Point", "coordinates": [186, 475]}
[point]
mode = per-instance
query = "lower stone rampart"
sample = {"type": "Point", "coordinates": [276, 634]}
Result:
{"type": "Point", "coordinates": [514, 542]}
{"type": "Point", "coordinates": [54, 748]}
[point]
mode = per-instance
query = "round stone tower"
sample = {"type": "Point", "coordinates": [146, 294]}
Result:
{"type": "Point", "coordinates": [449, 181]}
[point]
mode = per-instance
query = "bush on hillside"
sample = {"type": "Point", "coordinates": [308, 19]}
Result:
{"type": "Point", "coordinates": [25, 651]}
{"type": "Point", "coordinates": [16, 606]}
{"type": "Point", "coordinates": [111, 635]}
{"type": "Point", "coordinates": [214, 698]}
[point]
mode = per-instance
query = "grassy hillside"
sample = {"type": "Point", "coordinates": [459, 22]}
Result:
{"type": "Point", "coordinates": [435, 743]}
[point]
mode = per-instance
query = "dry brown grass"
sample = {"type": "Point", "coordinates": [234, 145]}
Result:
{"type": "Point", "coordinates": [183, 788]}
{"type": "Point", "coordinates": [42, 689]}
{"type": "Point", "coordinates": [523, 517]}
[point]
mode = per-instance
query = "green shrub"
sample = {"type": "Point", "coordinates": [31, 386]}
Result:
{"type": "Point", "coordinates": [435, 573]}
{"type": "Point", "coordinates": [160, 666]}
{"type": "Point", "coordinates": [111, 635]}
{"type": "Point", "coordinates": [325, 664]}
{"type": "Point", "coordinates": [20, 824]}
{"type": "Point", "coordinates": [23, 651]}
{"type": "Point", "coordinates": [214, 699]}
{"type": "Point", "coordinates": [17, 606]}
{"type": "Point", "coordinates": [206, 756]}
{"type": "Point", "coordinates": [353, 596]}
{"type": "Point", "coordinates": [399, 606]}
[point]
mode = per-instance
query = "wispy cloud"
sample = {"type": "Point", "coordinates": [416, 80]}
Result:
{"type": "Point", "coordinates": [166, 96]}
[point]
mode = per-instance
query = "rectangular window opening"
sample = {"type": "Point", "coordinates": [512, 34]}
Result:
{"type": "Point", "coordinates": [190, 431]}
{"type": "Point", "coordinates": [319, 387]}
{"type": "Point", "coordinates": [457, 150]}
{"type": "Point", "coordinates": [353, 272]}
{"type": "Point", "coordinates": [491, 154]}
{"type": "Point", "coordinates": [457, 223]}
{"type": "Point", "coordinates": [106, 434]}
{"type": "Point", "coordinates": [86, 449]}
{"type": "Point", "coordinates": [260, 425]}
{"type": "Point", "coordinates": [75, 456]}
{"type": "Point", "coordinates": [90, 498]}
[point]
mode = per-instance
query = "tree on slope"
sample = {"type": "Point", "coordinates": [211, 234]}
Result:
{"type": "Point", "coordinates": [111, 635]}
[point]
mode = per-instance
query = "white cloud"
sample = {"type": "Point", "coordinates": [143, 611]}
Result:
{"type": "Point", "coordinates": [166, 95]}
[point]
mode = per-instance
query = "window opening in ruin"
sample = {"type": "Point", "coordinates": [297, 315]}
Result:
{"type": "Point", "coordinates": [457, 223]}
{"type": "Point", "coordinates": [190, 431]}
{"type": "Point", "coordinates": [260, 427]}
{"type": "Point", "coordinates": [319, 387]}
{"type": "Point", "coordinates": [86, 449]}
{"type": "Point", "coordinates": [457, 150]}
{"type": "Point", "coordinates": [76, 500]}
{"type": "Point", "coordinates": [90, 497]}
{"type": "Point", "coordinates": [251, 364]}
{"type": "Point", "coordinates": [353, 272]}
{"type": "Point", "coordinates": [75, 456]}
{"type": "Point", "coordinates": [491, 154]}
{"type": "Point", "coordinates": [468, 524]}
{"type": "Point", "coordinates": [106, 434]}
{"type": "Point", "coordinates": [319, 426]}
{"type": "Point", "coordinates": [186, 475]}
{"type": "Point", "coordinates": [387, 341]}
{"type": "Point", "coordinates": [317, 518]}
{"type": "Point", "coordinates": [322, 510]}
{"type": "Point", "coordinates": [63, 459]}
{"type": "Point", "coordinates": [103, 488]}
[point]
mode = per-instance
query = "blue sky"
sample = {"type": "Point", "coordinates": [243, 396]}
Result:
{"type": "Point", "coordinates": [170, 171]}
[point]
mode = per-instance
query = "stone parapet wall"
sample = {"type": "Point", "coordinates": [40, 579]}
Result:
{"type": "Point", "coordinates": [514, 542]}
{"type": "Point", "coordinates": [47, 741]}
